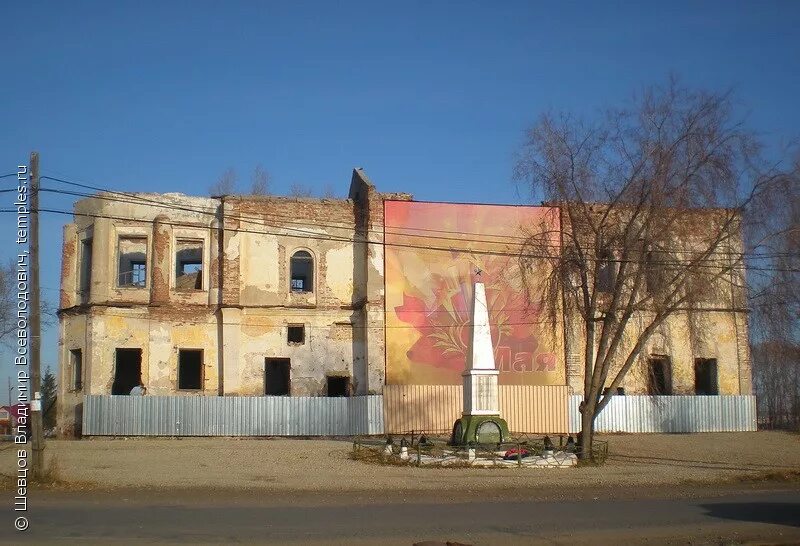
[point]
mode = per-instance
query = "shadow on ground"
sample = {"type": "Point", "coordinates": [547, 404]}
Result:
{"type": "Point", "coordinates": [778, 513]}
{"type": "Point", "coordinates": [695, 463]}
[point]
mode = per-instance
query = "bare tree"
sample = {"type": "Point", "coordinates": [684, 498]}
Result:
{"type": "Point", "coordinates": [226, 184]}
{"type": "Point", "coordinates": [776, 376]}
{"type": "Point", "coordinates": [646, 224]}
{"type": "Point", "coordinates": [9, 320]}
{"type": "Point", "coordinates": [775, 302]}
{"type": "Point", "coordinates": [259, 181]}
{"type": "Point", "coordinates": [299, 189]}
{"type": "Point", "coordinates": [328, 192]}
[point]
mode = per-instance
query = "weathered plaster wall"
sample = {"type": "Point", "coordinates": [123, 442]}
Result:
{"type": "Point", "coordinates": [99, 333]}
{"type": "Point", "coordinates": [369, 253]}
{"type": "Point", "coordinates": [272, 229]}
{"type": "Point", "coordinates": [327, 350]}
{"type": "Point", "coordinates": [715, 328]}
{"type": "Point", "coordinates": [682, 338]}
{"type": "Point", "coordinates": [72, 335]}
{"type": "Point", "coordinates": [240, 316]}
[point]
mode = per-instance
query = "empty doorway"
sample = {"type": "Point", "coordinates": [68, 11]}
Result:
{"type": "Point", "coordinates": [705, 376]}
{"type": "Point", "coordinates": [277, 376]}
{"type": "Point", "coordinates": [127, 370]}
{"type": "Point", "coordinates": [658, 377]}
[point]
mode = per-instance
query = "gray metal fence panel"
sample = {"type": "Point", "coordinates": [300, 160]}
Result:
{"type": "Point", "coordinates": [726, 413]}
{"type": "Point", "coordinates": [231, 416]}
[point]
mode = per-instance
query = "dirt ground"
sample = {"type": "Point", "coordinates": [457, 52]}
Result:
{"type": "Point", "coordinates": [644, 460]}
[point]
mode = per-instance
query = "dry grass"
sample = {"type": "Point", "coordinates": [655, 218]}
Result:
{"type": "Point", "coordinates": [51, 477]}
{"type": "Point", "coordinates": [646, 460]}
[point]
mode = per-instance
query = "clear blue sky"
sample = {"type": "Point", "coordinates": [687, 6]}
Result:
{"type": "Point", "coordinates": [430, 98]}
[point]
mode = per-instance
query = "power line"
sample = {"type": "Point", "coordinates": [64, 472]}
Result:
{"type": "Point", "coordinates": [465, 250]}
{"type": "Point", "coordinates": [260, 221]}
{"type": "Point", "coordinates": [314, 235]}
{"type": "Point", "coordinates": [137, 199]}
{"type": "Point", "coordinates": [384, 244]}
{"type": "Point", "coordinates": [132, 198]}
{"type": "Point", "coordinates": [283, 218]}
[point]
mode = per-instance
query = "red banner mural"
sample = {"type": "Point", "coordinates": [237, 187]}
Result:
{"type": "Point", "coordinates": [434, 253]}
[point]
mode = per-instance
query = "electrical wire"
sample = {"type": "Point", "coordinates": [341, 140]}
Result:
{"type": "Point", "coordinates": [720, 261]}
{"type": "Point", "coordinates": [134, 198]}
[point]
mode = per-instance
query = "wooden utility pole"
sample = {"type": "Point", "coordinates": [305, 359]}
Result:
{"type": "Point", "coordinates": [37, 462]}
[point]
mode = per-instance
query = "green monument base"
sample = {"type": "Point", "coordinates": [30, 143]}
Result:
{"type": "Point", "coordinates": [479, 429]}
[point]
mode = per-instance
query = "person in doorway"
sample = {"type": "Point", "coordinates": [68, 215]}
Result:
{"type": "Point", "coordinates": [139, 390]}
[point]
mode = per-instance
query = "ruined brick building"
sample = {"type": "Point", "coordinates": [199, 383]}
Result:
{"type": "Point", "coordinates": [277, 296]}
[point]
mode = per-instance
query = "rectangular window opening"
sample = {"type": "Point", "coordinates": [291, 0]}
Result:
{"type": "Point", "coordinates": [277, 376]}
{"type": "Point", "coordinates": [189, 265]}
{"type": "Point", "coordinates": [190, 369]}
{"type": "Point", "coordinates": [606, 273]}
{"type": "Point", "coordinates": [658, 376]}
{"type": "Point", "coordinates": [338, 385]}
{"type": "Point", "coordinates": [654, 275]}
{"type": "Point", "coordinates": [296, 334]}
{"type": "Point", "coordinates": [705, 376]}
{"type": "Point", "coordinates": [85, 278]}
{"type": "Point", "coordinates": [132, 265]}
{"type": "Point", "coordinates": [76, 365]}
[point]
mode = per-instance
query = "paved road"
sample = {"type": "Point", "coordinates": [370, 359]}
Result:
{"type": "Point", "coordinates": [208, 517]}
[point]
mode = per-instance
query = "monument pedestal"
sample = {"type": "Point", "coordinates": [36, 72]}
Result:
{"type": "Point", "coordinates": [479, 429]}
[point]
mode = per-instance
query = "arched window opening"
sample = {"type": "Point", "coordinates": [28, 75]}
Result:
{"type": "Point", "coordinates": [302, 272]}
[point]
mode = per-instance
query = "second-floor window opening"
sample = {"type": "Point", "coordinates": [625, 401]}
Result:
{"type": "Point", "coordinates": [302, 272]}
{"type": "Point", "coordinates": [132, 270]}
{"type": "Point", "coordinates": [85, 275]}
{"type": "Point", "coordinates": [189, 265]}
{"type": "Point", "coordinates": [606, 273]}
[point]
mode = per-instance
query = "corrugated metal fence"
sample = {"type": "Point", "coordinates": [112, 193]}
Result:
{"type": "Point", "coordinates": [527, 408]}
{"type": "Point", "coordinates": [539, 409]}
{"type": "Point", "coordinates": [671, 414]}
{"type": "Point", "coordinates": [231, 416]}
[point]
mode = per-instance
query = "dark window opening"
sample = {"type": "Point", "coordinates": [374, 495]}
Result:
{"type": "Point", "coordinates": [76, 365]}
{"type": "Point", "coordinates": [297, 334]}
{"type": "Point", "coordinates": [127, 370]}
{"type": "Point", "coordinates": [189, 265]}
{"type": "Point", "coordinates": [655, 275]}
{"type": "Point", "coordinates": [658, 376]}
{"type": "Point", "coordinates": [132, 266]}
{"type": "Point", "coordinates": [338, 385]}
{"type": "Point", "coordinates": [276, 376]}
{"type": "Point", "coordinates": [606, 273]}
{"type": "Point", "coordinates": [190, 369]}
{"type": "Point", "coordinates": [302, 272]}
{"type": "Point", "coordinates": [86, 266]}
{"type": "Point", "coordinates": [705, 376]}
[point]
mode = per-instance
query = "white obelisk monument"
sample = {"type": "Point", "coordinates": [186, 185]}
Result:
{"type": "Point", "coordinates": [480, 420]}
{"type": "Point", "coordinates": [481, 394]}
